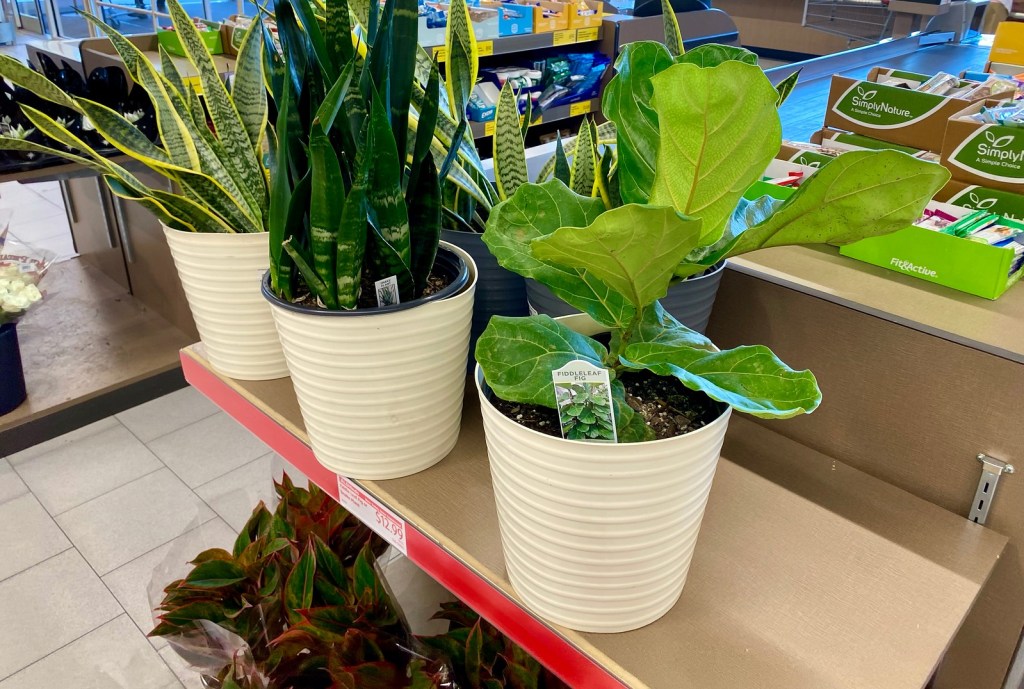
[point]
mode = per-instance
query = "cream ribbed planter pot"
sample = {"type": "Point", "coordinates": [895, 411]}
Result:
{"type": "Point", "coordinates": [598, 537]}
{"type": "Point", "coordinates": [381, 389]}
{"type": "Point", "coordinates": [221, 275]}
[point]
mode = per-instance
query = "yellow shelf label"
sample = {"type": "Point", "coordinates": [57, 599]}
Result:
{"type": "Point", "coordinates": [589, 34]}
{"type": "Point", "coordinates": [581, 108]}
{"type": "Point", "coordinates": [485, 48]}
{"type": "Point", "coordinates": [489, 128]}
{"type": "Point", "coordinates": [563, 37]}
{"type": "Point", "coordinates": [440, 52]}
{"type": "Point", "coordinates": [196, 83]}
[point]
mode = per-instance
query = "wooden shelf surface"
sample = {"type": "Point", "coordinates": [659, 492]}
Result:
{"type": "Point", "coordinates": [996, 327]}
{"type": "Point", "coordinates": [838, 580]}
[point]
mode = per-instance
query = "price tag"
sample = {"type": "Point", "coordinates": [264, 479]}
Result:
{"type": "Point", "coordinates": [383, 521]}
{"type": "Point", "coordinates": [485, 48]}
{"type": "Point", "coordinates": [387, 291]}
{"type": "Point", "coordinates": [489, 128]}
{"type": "Point", "coordinates": [583, 397]}
{"type": "Point", "coordinates": [589, 34]}
{"type": "Point", "coordinates": [196, 83]}
{"type": "Point", "coordinates": [440, 52]}
{"type": "Point", "coordinates": [581, 108]}
{"type": "Point", "coordinates": [563, 37]}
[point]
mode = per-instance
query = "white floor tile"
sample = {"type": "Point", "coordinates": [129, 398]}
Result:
{"type": "Point", "coordinates": [49, 606]}
{"type": "Point", "coordinates": [11, 485]}
{"type": "Point", "coordinates": [187, 676]}
{"type": "Point", "coordinates": [207, 449]}
{"type": "Point", "coordinates": [168, 413]}
{"type": "Point", "coordinates": [63, 440]}
{"type": "Point", "coordinates": [78, 472]}
{"type": "Point", "coordinates": [28, 535]}
{"type": "Point", "coordinates": [131, 583]}
{"type": "Point", "coordinates": [133, 519]}
{"type": "Point", "coordinates": [115, 656]}
{"type": "Point", "coordinates": [234, 495]}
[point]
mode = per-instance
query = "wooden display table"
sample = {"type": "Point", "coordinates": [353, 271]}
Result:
{"type": "Point", "coordinates": [808, 574]}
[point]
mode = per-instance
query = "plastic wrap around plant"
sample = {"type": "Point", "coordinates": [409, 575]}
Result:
{"type": "Point", "coordinates": [304, 600]}
{"type": "Point", "coordinates": [22, 267]}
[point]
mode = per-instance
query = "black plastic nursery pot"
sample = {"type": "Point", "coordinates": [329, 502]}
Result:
{"type": "Point", "coordinates": [12, 375]}
{"type": "Point", "coordinates": [690, 301]}
{"type": "Point", "coordinates": [499, 292]}
{"type": "Point", "coordinates": [381, 389]}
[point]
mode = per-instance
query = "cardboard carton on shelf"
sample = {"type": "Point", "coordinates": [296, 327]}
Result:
{"type": "Point", "coordinates": [583, 14]}
{"type": "Point", "coordinates": [988, 154]}
{"type": "Point", "coordinates": [548, 17]}
{"type": "Point", "coordinates": [513, 19]}
{"type": "Point", "coordinates": [890, 113]}
{"type": "Point", "coordinates": [433, 21]}
{"type": "Point", "coordinates": [979, 197]}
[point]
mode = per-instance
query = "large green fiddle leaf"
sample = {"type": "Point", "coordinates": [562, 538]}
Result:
{"type": "Point", "coordinates": [859, 194]}
{"type": "Point", "coordinates": [535, 211]}
{"type": "Point", "coordinates": [750, 379]}
{"type": "Point", "coordinates": [746, 215]}
{"type": "Point", "coordinates": [633, 249]}
{"type": "Point", "coordinates": [627, 103]}
{"type": "Point", "coordinates": [714, 54]}
{"type": "Point", "coordinates": [658, 326]}
{"type": "Point", "coordinates": [517, 356]}
{"type": "Point", "coordinates": [719, 130]}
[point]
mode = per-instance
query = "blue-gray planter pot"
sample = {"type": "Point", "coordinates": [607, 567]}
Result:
{"type": "Point", "coordinates": [499, 292]}
{"type": "Point", "coordinates": [690, 301]}
{"type": "Point", "coordinates": [12, 376]}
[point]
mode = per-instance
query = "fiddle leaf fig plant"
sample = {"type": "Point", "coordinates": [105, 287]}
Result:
{"type": "Point", "coordinates": [694, 132]}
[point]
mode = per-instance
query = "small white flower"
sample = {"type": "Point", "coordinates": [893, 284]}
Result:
{"type": "Point", "coordinates": [33, 293]}
{"type": "Point", "coordinates": [135, 116]}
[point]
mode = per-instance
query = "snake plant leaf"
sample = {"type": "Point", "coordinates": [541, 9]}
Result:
{"type": "Point", "coordinates": [166, 215]}
{"type": "Point", "coordinates": [248, 92]}
{"type": "Point", "coordinates": [198, 215]}
{"type": "Point", "coordinates": [524, 126]}
{"type": "Point", "coordinates": [213, 193]}
{"type": "Point", "coordinates": [633, 249]}
{"type": "Point", "coordinates": [11, 144]}
{"type": "Point", "coordinates": [453, 154]}
{"type": "Point", "coordinates": [379, 54]}
{"type": "Point", "coordinates": [462, 58]}
{"type": "Point", "coordinates": [174, 133]}
{"type": "Point", "coordinates": [719, 130]}
{"type": "Point", "coordinates": [351, 239]}
{"type": "Point", "coordinates": [860, 194]}
{"type": "Point", "coordinates": [387, 203]}
{"type": "Point", "coordinates": [309, 275]}
{"type": "Point", "coordinates": [535, 211]}
{"type": "Point", "coordinates": [750, 379]}
{"type": "Point", "coordinates": [384, 261]}
{"type": "Point", "coordinates": [298, 589]}
{"type": "Point", "coordinates": [361, 10]}
{"type": "Point", "coordinates": [509, 152]}
{"type": "Point", "coordinates": [402, 69]}
{"type": "Point", "coordinates": [171, 73]}
{"type": "Point", "coordinates": [194, 109]}
{"type": "Point", "coordinates": [606, 136]}
{"type": "Point", "coordinates": [129, 53]}
{"type": "Point", "coordinates": [326, 208]}
{"type": "Point", "coordinates": [334, 101]}
{"type": "Point", "coordinates": [339, 32]}
{"type": "Point", "coordinates": [31, 80]}
{"type": "Point", "coordinates": [122, 134]}
{"type": "Point", "coordinates": [227, 122]}
{"type": "Point", "coordinates": [304, 12]}
{"type": "Point", "coordinates": [608, 180]}
{"type": "Point", "coordinates": [582, 174]}
{"type": "Point", "coordinates": [274, 69]}
{"type": "Point", "coordinates": [280, 193]}
{"type": "Point", "coordinates": [714, 54]}
{"type": "Point", "coordinates": [561, 166]}
{"type": "Point", "coordinates": [673, 39]}
{"type": "Point", "coordinates": [627, 103]}
{"type": "Point", "coordinates": [424, 223]}
{"type": "Point", "coordinates": [786, 86]}
{"type": "Point", "coordinates": [426, 122]}
{"type": "Point", "coordinates": [517, 356]}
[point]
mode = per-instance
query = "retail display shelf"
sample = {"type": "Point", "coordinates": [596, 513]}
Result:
{"type": "Point", "coordinates": [506, 45]}
{"type": "Point", "coordinates": [555, 114]}
{"type": "Point", "coordinates": [840, 580]}
{"type": "Point", "coordinates": [989, 326]}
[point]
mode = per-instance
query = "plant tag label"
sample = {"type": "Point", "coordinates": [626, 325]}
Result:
{"type": "Point", "coordinates": [583, 396]}
{"type": "Point", "coordinates": [387, 291]}
{"type": "Point", "coordinates": [368, 510]}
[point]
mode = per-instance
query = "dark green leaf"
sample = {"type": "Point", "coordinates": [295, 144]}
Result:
{"type": "Point", "coordinates": [326, 207]}
{"type": "Point", "coordinates": [401, 69]}
{"type": "Point", "coordinates": [424, 224]}
{"type": "Point", "coordinates": [714, 54]}
{"type": "Point", "coordinates": [298, 589]}
{"type": "Point", "coordinates": [474, 646]}
{"type": "Point", "coordinates": [339, 32]}
{"type": "Point", "coordinates": [561, 162]}
{"type": "Point", "coordinates": [786, 86]}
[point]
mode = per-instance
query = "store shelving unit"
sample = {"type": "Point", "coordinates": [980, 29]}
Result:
{"type": "Point", "coordinates": [555, 114]}
{"type": "Point", "coordinates": [838, 580]}
{"type": "Point", "coordinates": [509, 45]}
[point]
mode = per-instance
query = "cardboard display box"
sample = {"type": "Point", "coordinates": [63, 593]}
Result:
{"type": "Point", "coordinates": [548, 17]}
{"type": "Point", "coordinates": [484, 19]}
{"type": "Point", "coordinates": [513, 19]}
{"type": "Point", "coordinates": [972, 196]}
{"type": "Point", "coordinates": [988, 154]}
{"type": "Point", "coordinates": [894, 114]}
{"type": "Point", "coordinates": [583, 14]}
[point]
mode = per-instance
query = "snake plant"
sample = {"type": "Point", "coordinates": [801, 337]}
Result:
{"type": "Point", "coordinates": [215, 165]}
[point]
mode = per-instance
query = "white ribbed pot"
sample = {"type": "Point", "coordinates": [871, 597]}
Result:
{"type": "Point", "coordinates": [598, 537]}
{"type": "Point", "coordinates": [221, 275]}
{"type": "Point", "coordinates": [381, 389]}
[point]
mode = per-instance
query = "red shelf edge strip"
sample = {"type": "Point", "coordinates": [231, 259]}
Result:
{"type": "Point", "coordinates": [553, 652]}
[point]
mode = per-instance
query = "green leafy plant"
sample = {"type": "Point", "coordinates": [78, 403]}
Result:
{"type": "Point", "coordinates": [215, 166]}
{"type": "Point", "coordinates": [693, 133]}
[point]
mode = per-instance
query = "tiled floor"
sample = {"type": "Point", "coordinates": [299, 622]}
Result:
{"type": "Point", "coordinates": [92, 521]}
{"type": "Point", "coordinates": [39, 218]}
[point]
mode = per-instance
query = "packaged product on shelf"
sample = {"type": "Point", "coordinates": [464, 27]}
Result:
{"type": "Point", "coordinates": [840, 141]}
{"type": "Point", "coordinates": [483, 102]}
{"type": "Point", "coordinates": [583, 13]}
{"type": "Point", "coordinates": [433, 19]}
{"type": "Point", "coordinates": [547, 16]}
{"type": "Point", "coordinates": [984, 144]}
{"type": "Point", "coordinates": [513, 19]}
{"type": "Point", "coordinates": [571, 78]}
